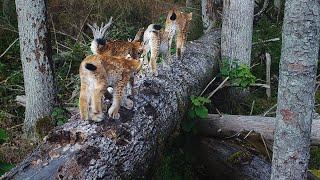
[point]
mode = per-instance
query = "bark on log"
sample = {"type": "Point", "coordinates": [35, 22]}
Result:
{"type": "Point", "coordinates": [228, 125]}
{"type": "Point", "coordinates": [125, 148]}
{"type": "Point", "coordinates": [228, 161]}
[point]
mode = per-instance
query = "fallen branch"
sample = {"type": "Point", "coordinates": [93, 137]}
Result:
{"type": "Point", "coordinates": [227, 125]}
{"type": "Point", "coordinates": [265, 41]}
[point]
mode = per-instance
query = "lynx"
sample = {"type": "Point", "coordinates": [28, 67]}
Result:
{"type": "Point", "coordinates": [178, 28]}
{"type": "Point", "coordinates": [158, 41]}
{"type": "Point", "coordinates": [100, 46]}
{"type": "Point", "coordinates": [97, 72]}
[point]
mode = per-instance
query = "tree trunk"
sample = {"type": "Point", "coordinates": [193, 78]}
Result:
{"type": "Point", "coordinates": [125, 148]}
{"type": "Point", "coordinates": [36, 62]}
{"type": "Point", "coordinates": [228, 125]}
{"type": "Point", "coordinates": [297, 78]}
{"type": "Point", "coordinates": [209, 17]}
{"type": "Point", "coordinates": [236, 34]}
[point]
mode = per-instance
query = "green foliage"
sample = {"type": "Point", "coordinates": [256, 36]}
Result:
{"type": "Point", "coordinates": [59, 116]}
{"type": "Point", "coordinates": [198, 110]}
{"type": "Point", "coordinates": [3, 135]}
{"type": "Point", "coordinates": [5, 167]}
{"type": "Point", "coordinates": [176, 161]}
{"type": "Point", "coordinates": [238, 74]}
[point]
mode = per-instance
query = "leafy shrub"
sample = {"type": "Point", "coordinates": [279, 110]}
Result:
{"type": "Point", "coordinates": [240, 75]}
{"type": "Point", "coordinates": [198, 110]}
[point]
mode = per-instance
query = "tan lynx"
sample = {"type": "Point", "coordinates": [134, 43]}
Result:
{"type": "Point", "coordinates": [158, 41]}
{"type": "Point", "coordinates": [97, 72]}
{"type": "Point", "coordinates": [179, 27]}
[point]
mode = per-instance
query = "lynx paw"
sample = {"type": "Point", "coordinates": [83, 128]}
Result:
{"type": "Point", "coordinates": [98, 117]}
{"type": "Point", "coordinates": [114, 112]}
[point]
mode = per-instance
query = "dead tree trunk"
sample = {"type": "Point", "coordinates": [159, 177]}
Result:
{"type": "Point", "coordinates": [236, 34]}
{"type": "Point", "coordinates": [36, 62]}
{"type": "Point", "coordinates": [297, 78]}
{"type": "Point", "coordinates": [125, 148]}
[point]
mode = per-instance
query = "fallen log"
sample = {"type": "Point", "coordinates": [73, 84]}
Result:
{"type": "Point", "coordinates": [228, 160]}
{"type": "Point", "coordinates": [125, 148]}
{"type": "Point", "coordinates": [228, 125]}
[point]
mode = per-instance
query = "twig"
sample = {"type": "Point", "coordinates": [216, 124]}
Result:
{"type": "Point", "coordinates": [253, 102]}
{"type": "Point", "coordinates": [65, 46]}
{"type": "Point", "coordinates": [65, 34]}
{"type": "Point", "coordinates": [248, 134]}
{"type": "Point", "coordinates": [214, 91]}
{"type": "Point", "coordinates": [13, 127]}
{"type": "Point", "coordinates": [208, 86]}
{"type": "Point", "coordinates": [8, 29]}
{"type": "Point", "coordinates": [269, 40]}
{"type": "Point", "coordinates": [84, 22]}
{"type": "Point", "coordinates": [9, 47]}
{"type": "Point", "coordinates": [236, 134]}
{"type": "Point", "coordinates": [218, 112]}
{"type": "Point", "coordinates": [264, 7]}
{"type": "Point", "coordinates": [264, 114]}
{"type": "Point", "coordinates": [268, 74]}
{"type": "Point", "coordinates": [265, 146]}
{"type": "Point", "coordinates": [54, 33]}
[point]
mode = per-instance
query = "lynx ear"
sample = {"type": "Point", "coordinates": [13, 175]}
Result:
{"type": "Point", "coordinates": [189, 16]}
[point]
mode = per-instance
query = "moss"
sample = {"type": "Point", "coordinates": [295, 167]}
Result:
{"type": "Point", "coordinates": [239, 157]}
{"type": "Point", "coordinates": [315, 172]}
{"type": "Point", "coordinates": [44, 126]}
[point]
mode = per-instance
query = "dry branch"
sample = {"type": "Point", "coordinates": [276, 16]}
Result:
{"type": "Point", "coordinates": [125, 148]}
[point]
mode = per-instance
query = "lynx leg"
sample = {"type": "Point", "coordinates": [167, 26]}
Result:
{"type": "Point", "coordinates": [117, 97]}
{"type": "Point", "coordinates": [83, 101]}
{"type": "Point", "coordinates": [179, 44]}
{"type": "Point", "coordinates": [153, 61]}
{"type": "Point", "coordinates": [98, 93]}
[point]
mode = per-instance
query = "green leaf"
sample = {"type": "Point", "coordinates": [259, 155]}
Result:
{"type": "Point", "coordinates": [3, 135]}
{"type": "Point", "coordinates": [191, 114]}
{"type": "Point", "coordinates": [5, 167]}
{"type": "Point", "coordinates": [201, 112]}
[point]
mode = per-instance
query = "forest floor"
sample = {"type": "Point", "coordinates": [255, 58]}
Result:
{"type": "Point", "coordinates": [71, 45]}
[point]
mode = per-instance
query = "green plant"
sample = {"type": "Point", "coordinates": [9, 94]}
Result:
{"type": "Point", "coordinates": [59, 115]}
{"type": "Point", "coordinates": [3, 135]}
{"type": "Point", "coordinates": [198, 110]}
{"type": "Point", "coordinates": [5, 167]}
{"type": "Point", "coordinates": [240, 75]}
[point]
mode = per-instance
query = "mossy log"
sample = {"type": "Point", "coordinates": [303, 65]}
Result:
{"type": "Point", "coordinates": [125, 148]}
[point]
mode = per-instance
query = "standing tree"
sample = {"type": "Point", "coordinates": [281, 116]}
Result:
{"type": "Point", "coordinates": [36, 62]}
{"type": "Point", "coordinates": [298, 67]}
{"type": "Point", "coordinates": [209, 17]}
{"type": "Point", "coordinates": [236, 35]}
